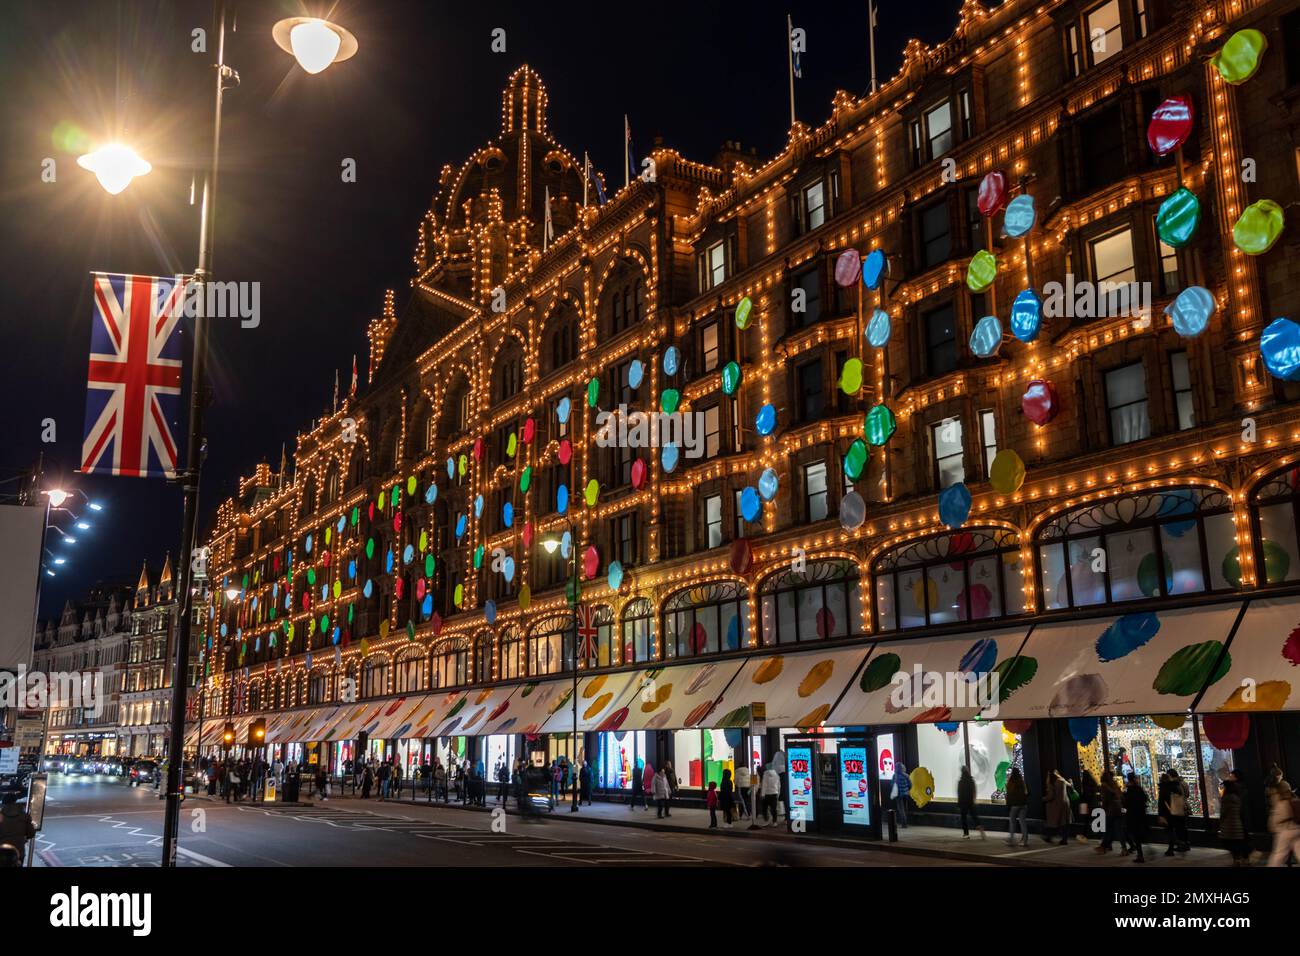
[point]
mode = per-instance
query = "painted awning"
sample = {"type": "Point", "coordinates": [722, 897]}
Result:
{"type": "Point", "coordinates": [600, 697]}
{"type": "Point", "coordinates": [1147, 662]}
{"type": "Point", "coordinates": [797, 690]}
{"type": "Point", "coordinates": [665, 698]}
{"type": "Point", "coordinates": [1263, 661]}
{"type": "Point", "coordinates": [529, 707]}
{"type": "Point", "coordinates": [918, 680]}
{"type": "Point", "coordinates": [477, 709]}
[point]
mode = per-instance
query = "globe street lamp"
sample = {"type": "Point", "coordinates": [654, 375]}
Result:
{"type": "Point", "coordinates": [551, 544]}
{"type": "Point", "coordinates": [314, 43]}
{"type": "Point", "coordinates": [114, 165]}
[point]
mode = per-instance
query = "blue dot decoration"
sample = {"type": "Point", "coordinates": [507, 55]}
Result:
{"type": "Point", "coordinates": [369, 588]}
{"type": "Point", "coordinates": [426, 606]}
{"type": "Point", "coordinates": [431, 493]}
{"type": "Point", "coordinates": [615, 576]}
{"type": "Point", "coordinates": [562, 409]}
{"type": "Point", "coordinates": [478, 506]}
{"type": "Point", "coordinates": [1126, 634]}
{"type": "Point", "coordinates": [672, 360]}
{"type": "Point", "coordinates": [768, 484]}
{"type": "Point", "coordinates": [451, 468]}
{"type": "Point", "coordinates": [1280, 347]}
{"type": "Point", "coordinates": [1026, 315]}
{"type": "Point", "coordinates": [635, 374]}
{"type": "Point", "coordinates": [343, 523]}
{"type": "Point", "coordinates": [1020, 216]}
{"type": "Point", "coordinates": [352, 569]}
{"type": "Point", "coordinates": [508, 568]}
{"type": "Point", "coordinates": [1191, 311]}
{"type": "Point", "coordinates": [765, 420]}
{"type": "Point", "coordinates": [986, 337]}
{"type": "Point", "coordinates": [751, 506]}
{"type": "Point", "coordinates": [873, 269]}
{"type": "Point", "coordinates": [490, 611]}
{"type": "Point", "coordinates": [879, 329]}
{"type": "Point", "coordinates": [460, 526]}
{"type": "Point", "coordinates": [408, 554]}
{"type": "Point", "coordinates": [508, 514]}
{"type": "Point", "coordinates": [562, 499]}
{"type": "Point", "coordinates": [566, 544]}
{"type": "Point", "coordinates": [668, 457]}
{"type": "Point", "coordinates": [954, 505]}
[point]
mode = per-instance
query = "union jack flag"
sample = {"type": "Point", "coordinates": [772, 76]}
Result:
{"type": "Point", "coordinates": [587, 631]}
{"type": "Point", "coordinates": [133, 386]}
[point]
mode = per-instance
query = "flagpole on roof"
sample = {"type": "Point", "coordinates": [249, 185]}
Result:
{"type": "Point", "coordinates": [871, 34]}
{"type": "Point", "coordinates": [586, 176]}
{"type": "Point", "coordinates": [627, 151]}
{"type": "Point", "coordinates": [789, 56]}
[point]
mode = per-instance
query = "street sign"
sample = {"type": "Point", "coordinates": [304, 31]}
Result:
{"type": "Point", "coordinates": [269, 795]}
{"type": "Point", "coordinates": [8, 760]}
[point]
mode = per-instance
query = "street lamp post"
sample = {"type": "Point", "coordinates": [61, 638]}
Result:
{"type": "Point", "coordinates": [550, 544]}
{"type": "Point", "coordinates": [307, 44]}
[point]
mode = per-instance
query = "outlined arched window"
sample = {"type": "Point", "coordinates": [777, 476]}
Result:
{"type": "Point", "coordinates": [450, 667]}
{"type": "Point", "coordinates": [511, 661]}
{"type": "Point", "coordinates": [1112, 551]}
{"type": "Point", "coordinates": [608, 648]}
{"type": "Point", "coordinates": [639, 631]}
{"type": "Point", "coordinates": [374, 679]}
{"type": "Point", "coordinates": [408, 675]}
{"type": "Point", "coordinates": [482, 658]}
{"type": "Point", "coordinates": [1275, 527]}
{"type": "Point", "coordinates": [708, 619]}
{"type": "Point", "coordinates": [548, 645]}
{"type": "Point", "coordinates": [822, 602]}
{"type": "Point", "coordinates": [972, 574]}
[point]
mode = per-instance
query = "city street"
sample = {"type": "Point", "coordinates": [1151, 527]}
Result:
{"type": "Point", "coordinates": [97, 821]}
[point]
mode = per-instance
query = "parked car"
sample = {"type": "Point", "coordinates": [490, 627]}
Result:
{"type": "Point", "coordinates": [17, 782]}
{"type": "Point", "coordinates": [77, 766]}
{"type": "Point", "coordinates": [143, 772]}
{"type": "Point", "coordinates": [113, 766]}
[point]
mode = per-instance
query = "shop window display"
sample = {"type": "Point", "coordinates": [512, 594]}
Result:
{"type": "Point", "coordinates": [1138, 746]}
{"type": "Point", "coordinates": [994, 750]}
{"type": "Point", "coordinates": [941, 749]}
{"type": "Point", "coordinates": [1276, 504]}
{"type": "Point", "coordinates": [700, 756]}
{"type": "Point", "coordinates": [1215, 764]}
{"type": "Point", "coordinates": [1092, 755]}
{"type": "Point", "coordinates": [621, 755]}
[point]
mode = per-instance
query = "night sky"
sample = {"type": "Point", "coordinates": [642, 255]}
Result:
{"type": "Point", "coordinates": [423, 90]}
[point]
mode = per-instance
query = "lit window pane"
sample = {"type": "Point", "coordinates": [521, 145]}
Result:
{"type": "Point", "coordinates": [1112, 256]}
{"type": "Point", "coordinates": [938, 124]}
{"type": "Point", "coordinates": [1277, 527]}
{"type": "Point", "coordinates": [1104, 35]}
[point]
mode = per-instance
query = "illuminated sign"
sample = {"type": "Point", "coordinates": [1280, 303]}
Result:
{"type": "Point", "coordinates": [854, 786]}
{"type": "Point", "coordinates": [800, 804]}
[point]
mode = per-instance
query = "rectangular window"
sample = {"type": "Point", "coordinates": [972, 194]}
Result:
{"type": "Point", "coordinates": [967, 115]}
{"type": "Point", "coordinates": [625, 392]}
{"type": "Point", "coordinates": [977, 232]}
{"type": "Point", "coordinates": [1073, 54]}
{"type": "Point", "coordinates": [916, 143]}
{"type": "Point", "coordinates": [1140, 18]}
{"type": "Point", "coordinates": [561, 427]}
{"type": "Point", "coordinates": [716, 263]}
{"type": "Point", "coordinates": [1112, 257]}
{"type": "Point", "coordinates": [1182, 378]}
{"type": "Point", "coordinates": [940, 340]}
{"type": "Point", "coordinates": [936, 234]}
{"type": "Point", "coordinates": [709, 346]}
{"type": "Point", "coordinates": [988, 438]}
{"type": "Point", "coordinates": [713, 521]}
{"type": "Point", "coordinates": [1289, 27]}
{"type": "Point", "coordinates": [814, 205]}
{"type": "Point", "coordinates": [810, 283]}
{"type": "Point", "coordinates": [814, 483]}
{"type": "Point", "coordinates": [740, 519]}
{"type": "Point", "coordinates": [712, 431]}
{"type": "Point", "coordinates": [1101, 158]}
{"type": "Point", "coordinates": [811, 398]}
{"type": "Point", "coordinates": [946, 447]}
{"type": "Point", "coordinates": [1126, 404]}
{"type": "Point", "coordinates": [938, 129]}
{"type": "Point", "coordinates": [1168, 267]}
{"type": "Point", "coordinates": [625, 539]}
{"type": "Point", "coordinates": [1105, 37]}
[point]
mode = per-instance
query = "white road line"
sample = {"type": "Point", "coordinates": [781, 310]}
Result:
{"type": "Point", "coordinates": [210, 861]}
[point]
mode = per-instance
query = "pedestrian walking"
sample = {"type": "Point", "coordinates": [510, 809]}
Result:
{"type": "Point", "coordinates": [1171, 810]}
{"type": "Point", "coordinates": [770, 788]}
{"type": "Point", "coordinates": [711, 801]}
{"type": "Point", "coordinates": [743, 776]}
{"type": "Point", "coordinates": [1232, 827]}
{"type": "Point", "coordinates": [902, 791]}
{"type": "Point", "coordinates": [1283, 822]}
{"type": "Point", "coordinates": [1135, 816]}
{"type": "Point", "coordinates": [503, 781]}
{"type": "Point", "coordinates": [1089, 800]}
{"type": "Point", "coordinates": [966, 804]}
{"type": "Point", "coordinates": [367, 781]}
{"type": "Point", "coordinates": [1017, 807]}
{"type": "Point", "coordinates": [755, 795]}
{"type": "Point", "coordinates": [557, 775]}
{"type": "Point", "coordinates": [1056, 797]}
{"type": "Point", "coordinates": [323, 782]}
{"type": "Point", "coordinates": [384, 774]}
{"type": "Point", "coordinates": [639, 777]}
{"type": "Point", "coordinates": [584, 783]}
{"type": "Point", "coordinates": [1112, 809]}
{"type": "Point", "coordinates": [727, 797]}
{"type": "Point", "coordinates": [662, 794]}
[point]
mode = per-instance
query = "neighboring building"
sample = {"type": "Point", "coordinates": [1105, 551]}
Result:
{"type": "Point", "coordinates": [88, 637]}
{"type": "Point", "coordinates": [1162, 498]}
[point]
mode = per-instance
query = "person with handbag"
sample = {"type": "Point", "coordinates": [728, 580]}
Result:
{"type": "Point", "coordinates": [1171, 810]}
{"type": "Point", "coordinates": [1017, 807]}
{"type": "Point", "coordinates": [1089, 800]}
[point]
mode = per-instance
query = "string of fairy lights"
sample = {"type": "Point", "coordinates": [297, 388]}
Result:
{"type": "Point", "coordinates": [499, 253]}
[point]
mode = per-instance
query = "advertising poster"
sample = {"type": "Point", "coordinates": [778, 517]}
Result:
{"type": "Point", "coordinates": [853, 786]}
{"type": "Point", "coordinates": [801, 785]}
{"type": "Point", "coordinates": [885, 755]}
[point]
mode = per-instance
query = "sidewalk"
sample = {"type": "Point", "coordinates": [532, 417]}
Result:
{"type": "Point", "coordinates": [927, 841]}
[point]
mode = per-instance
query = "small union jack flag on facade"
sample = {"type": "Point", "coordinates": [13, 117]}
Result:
{"type": "Point", "coordinates": [133, 387]}
{"type": "Point", "coordinates": [587, 631]}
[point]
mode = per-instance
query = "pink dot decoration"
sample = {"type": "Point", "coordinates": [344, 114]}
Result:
{"type": "Point", "coordinates": [590, 561]}
{"type": "Point", "coordinates": [638, 474]}
{"type": "Point", "coordinates": [528, 534]}
{"type": "Point", "coordinates": [397, 521]}
{"type": "Point", "coordinates": [325, 559]}
{"type": "Point", "coordinates": [478, 448]}
{"type": "Point", "coordinates": [566, 451]}
{"type": "Point", "coordinates": [419, 589]}
{"type": "Point", "coordinates": [530, 431]}
{"type": "Point", "coordinates": [397, 587]}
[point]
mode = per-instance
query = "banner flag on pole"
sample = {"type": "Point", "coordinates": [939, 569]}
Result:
{"type": "Point", "coordinates": [133, 384]}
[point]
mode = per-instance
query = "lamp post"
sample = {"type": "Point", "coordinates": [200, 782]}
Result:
{"type": "Point", "coordinates": [308, 41]}
{"type": "Point", "coordinates": [551, 544]}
